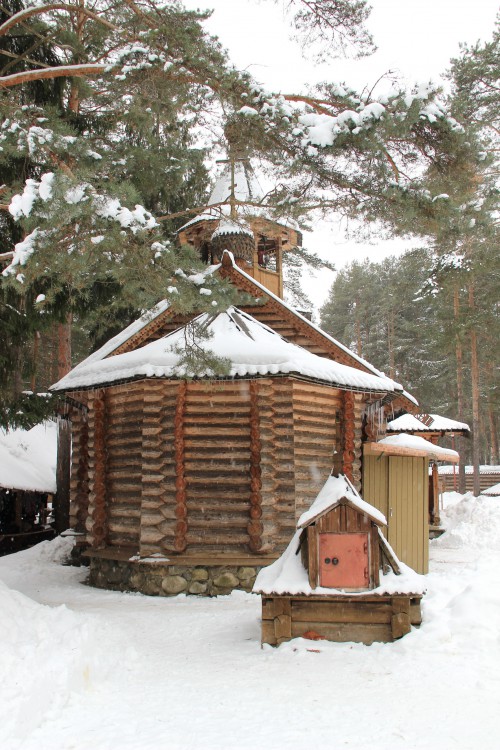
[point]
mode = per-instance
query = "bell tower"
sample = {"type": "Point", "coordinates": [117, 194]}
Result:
{"type": "Point", "coordinates": [236, 220]}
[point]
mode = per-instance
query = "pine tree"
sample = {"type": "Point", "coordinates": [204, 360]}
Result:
{"type": "Point", "coordinates": [114, 156]}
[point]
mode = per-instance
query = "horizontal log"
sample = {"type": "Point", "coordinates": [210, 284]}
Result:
{"type": "Point", "coordinates": [215, 525]}
{"type": "Point", "coordinates": [335, 612]}
{"type": "Point", "coordinates": [344, 632]}
{"type": "Point", "coordinates": [125, 512]}
{"type": "Point", "coordinates": [209, 507]}
{"type": "Point", "coordinates": [216, 539]}
{"type": "Point", "coordinates": [228, 432]}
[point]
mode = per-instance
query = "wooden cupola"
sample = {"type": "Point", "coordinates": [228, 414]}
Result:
{"type": "Point", "coordinates": [340, 539]}
{"type": "Point", "coordinates": [235, 220]}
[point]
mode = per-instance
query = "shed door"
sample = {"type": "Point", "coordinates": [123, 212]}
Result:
{"type": "Point", "coordinates": [343, 560]}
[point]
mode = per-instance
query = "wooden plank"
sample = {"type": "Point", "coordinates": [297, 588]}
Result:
{"type": "Point", "coordinates": [345, 632]}
{"type": "Point", "coordinates": [341, 612]}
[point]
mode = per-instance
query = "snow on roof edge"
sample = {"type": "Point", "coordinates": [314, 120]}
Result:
{"type": "Point", "coordinates": [398, 388]}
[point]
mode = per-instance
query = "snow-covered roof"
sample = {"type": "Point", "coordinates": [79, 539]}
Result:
{"type": "Point", "coordinates": [493, 491]}
{"type": "Point", "coordinates": [436, 423]}
{"type": "Point", "coordinates": [288, 576]}
{"type": "Point", "coordinates": [485, 469]}
{"type": "Point", "coordinates": [332, 493]}
{"type": "Point", "coordinates": [230, 226]}
{"type": "Point", "coordinates": [250, 347]}
{"type": "Point", "coordinates": [396, 386]}
{"type": "Point", "coordinates": [417, 445]}
{"type": "Point", "coordinates": [28, 458]}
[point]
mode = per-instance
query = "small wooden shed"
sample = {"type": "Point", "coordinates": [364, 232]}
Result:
{"type": "Point", "coordinates": [396, 481]}
{"type": "Point", "coordinates": [329, 584]}
{"type": "Point", "coordinates": [432, 427]}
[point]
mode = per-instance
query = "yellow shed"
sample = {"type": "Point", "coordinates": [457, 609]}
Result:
{"type": "Point", "coordinates": [396, 481]}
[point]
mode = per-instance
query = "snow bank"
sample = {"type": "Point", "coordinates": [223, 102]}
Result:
{"type": "Point", "coordinates": [46, 653]}
{"type": "Point", "coordinates": [473, 523]}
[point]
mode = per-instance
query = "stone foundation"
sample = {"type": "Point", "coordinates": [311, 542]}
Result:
{"type": "Point", "coordinates": [167, 579]}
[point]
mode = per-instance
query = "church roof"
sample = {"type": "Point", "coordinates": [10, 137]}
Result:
{"type": "Point", "coordinates": [249, 347]}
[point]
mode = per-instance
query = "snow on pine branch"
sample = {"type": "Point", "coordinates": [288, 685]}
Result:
{"type": "Point", "coordinates": [39, 200]}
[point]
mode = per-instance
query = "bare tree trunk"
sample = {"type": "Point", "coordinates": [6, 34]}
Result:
{"type": "Point", "coordinates": [460, 390]}
{"type": "Point", "coordinates": [390, 343]}
{"type": "Point", "coordinates": [63, 470]}
{"type": "Point", "coordinates": [475, 396]}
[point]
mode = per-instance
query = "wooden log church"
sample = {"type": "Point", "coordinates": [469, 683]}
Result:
{"type": "Point", "coordinates": [194, 484]}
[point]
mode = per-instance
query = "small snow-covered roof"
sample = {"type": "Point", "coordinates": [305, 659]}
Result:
{"type": "Point", "coordinates": [493, 491]}
{"type": "Point", "coordinates": [230, 226]}
{"type": "Point", "coordinates": [287, 575]}
{"type": "Point", "coordinates": [250, 348]}
{"type": "Point", "coordinates": [335, 491]}
{"type": "Point", "coordinates": [485, 469]}
{"type": "Point", "coordinates": [436, 423]}
{"type": "Point", "coordinates": [413, 445]}
{"type": "Point", "coordinates": [28, 458]}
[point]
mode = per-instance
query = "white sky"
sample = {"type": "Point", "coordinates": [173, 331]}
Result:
{"type": "Point", "coordinates": [416, 39]}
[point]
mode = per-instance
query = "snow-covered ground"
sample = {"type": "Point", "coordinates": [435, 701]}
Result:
{"type": "Point", "coordinates": [85, 669]}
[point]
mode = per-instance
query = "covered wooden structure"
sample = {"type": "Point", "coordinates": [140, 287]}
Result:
{"type": "Point", "coordinates": [27, 486]}
{"type": "Point", "coordinates": [396, 481]}
{"type": "Point", "coordinates": [433, 428]}
{"type": "Point", "coordinates": [329, 583]}
{"type": "Point", "coordinates": [211, 472]}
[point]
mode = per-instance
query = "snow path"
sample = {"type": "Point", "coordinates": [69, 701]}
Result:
{"type": "Point", "coordinates": [189, 672]}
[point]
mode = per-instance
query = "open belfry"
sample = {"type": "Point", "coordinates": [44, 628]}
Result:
{"type": "Point", "coordinates": [183, 484]}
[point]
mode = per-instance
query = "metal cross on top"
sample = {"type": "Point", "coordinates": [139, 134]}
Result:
{"type": "Point", "coordinates": [232, 197]}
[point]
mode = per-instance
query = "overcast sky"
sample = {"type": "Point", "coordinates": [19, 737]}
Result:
{"type": "Point", "coordinates": [415, 38]}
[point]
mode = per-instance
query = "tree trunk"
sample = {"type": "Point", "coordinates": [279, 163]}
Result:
{"type": "Point", "coordinates": [475, 396]}
{"type": "Point", "coordinates": [460, 389]}
{"type": "Point", "coordinates": [61, 504]}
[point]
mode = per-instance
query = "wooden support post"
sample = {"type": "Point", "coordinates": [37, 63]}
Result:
{"type": "Point", "coordinates": [434, 519]}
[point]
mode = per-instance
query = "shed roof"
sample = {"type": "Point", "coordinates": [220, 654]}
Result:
{"type": "Point", "coordinates": [411, 445]}
{"type": "Point", "coordinates": [432, 423]}
{"type": "Point", "coordinates": [249, 347]}
{"type": "Point", "coordinates": [28, 458]}
{"type": "Point", "coordinates": [336, 491]}
{"type": "Point", "coordinates": [493, 491]}
{"type": "Point", "coordinates": [484, 469]}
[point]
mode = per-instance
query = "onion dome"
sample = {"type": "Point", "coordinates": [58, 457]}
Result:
{"type": "Point", "coordinates": [236, 237]}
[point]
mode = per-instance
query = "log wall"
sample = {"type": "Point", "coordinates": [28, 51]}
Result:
{"type": "Point", "coordinates": [277, 462]}
{"type": "Point", "coordinates": [158, 512]}
{"type": "Point", "coordinates": [203, 467]}
{"type": "Point", "coordinates": [216, 464]}
{"type": "Point", "coordinates": [79, 481]}
{"type": "Point", "coordinates": [316, 423]}
{"type": "Point", "coordinates": [123, 440]}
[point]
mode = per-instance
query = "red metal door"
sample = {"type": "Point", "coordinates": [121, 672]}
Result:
{"type": "Point", "coordinates": [343, 561]}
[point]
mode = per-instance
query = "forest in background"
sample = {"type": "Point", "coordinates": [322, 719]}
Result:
{"type": "Point", "coordinates": [390, 314]}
